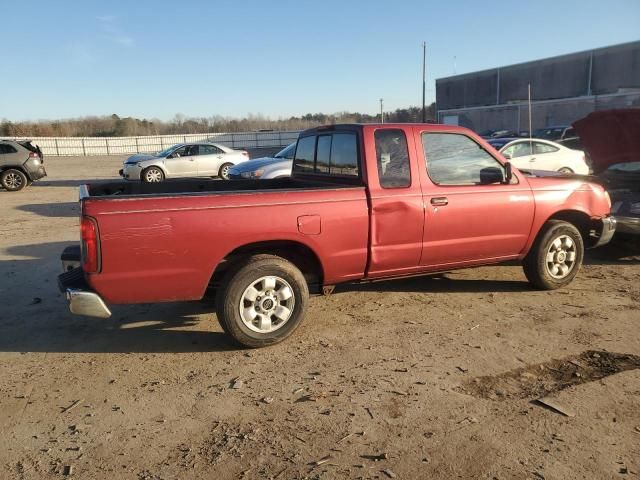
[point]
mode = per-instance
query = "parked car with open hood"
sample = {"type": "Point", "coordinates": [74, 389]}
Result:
{"type": "Point", "coordinates": [266, 168]}
{"type": "Point", "coordinates": [612, 139]}
{"type": "Point", "coordinates": [537, 154]}
{"type": "Point", "coordinates": [183, 160]}
{"type": "Point", "coordinates": [21, 163]}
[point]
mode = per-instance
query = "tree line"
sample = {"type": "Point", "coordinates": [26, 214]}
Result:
{"type": "Point", "coordinates": [116, 126]}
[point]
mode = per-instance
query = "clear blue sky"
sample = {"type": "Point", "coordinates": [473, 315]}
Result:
{"type": "Point", "coordinates": [276, 57]}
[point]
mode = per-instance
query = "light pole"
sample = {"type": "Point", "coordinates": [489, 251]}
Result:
{"type": "Point", "coordinates": [381, 110]}
{"type": "Point", "coordinates": [424, 69]}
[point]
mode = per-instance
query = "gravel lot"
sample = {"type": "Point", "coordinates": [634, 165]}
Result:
{"type": "Point", "coordinates": [432, 377]}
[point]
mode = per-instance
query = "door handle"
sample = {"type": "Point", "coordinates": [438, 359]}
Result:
{"type": "Point", "coordinates": [439, 201]}
{"type": "Point", "coordinates": [533, 159]}
{"type": "Point", "coordinates": [191, 159]}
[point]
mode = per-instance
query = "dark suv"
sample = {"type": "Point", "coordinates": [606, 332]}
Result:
{"type": "Point", "coordinates": [20, 164]}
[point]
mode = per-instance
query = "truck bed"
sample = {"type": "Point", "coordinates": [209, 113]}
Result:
{"type": "Point", "coordinates": [206, 186]}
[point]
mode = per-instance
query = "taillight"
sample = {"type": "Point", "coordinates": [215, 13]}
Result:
{"type": "Point", "coordinates": [90, 245]}
{"type": "Point", "coordinates": [34, 155]}
{"type": "Point", "coordinates": [246, 154]}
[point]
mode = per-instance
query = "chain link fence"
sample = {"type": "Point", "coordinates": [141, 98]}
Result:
{"type": "Point", "coordinates": [87, 146]}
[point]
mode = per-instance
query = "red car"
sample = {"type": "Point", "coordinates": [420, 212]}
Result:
{"type": "Point", "coordinates": [364, 202]}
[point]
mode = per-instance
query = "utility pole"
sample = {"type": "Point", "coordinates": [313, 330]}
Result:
{"type": "Point", "coordinates": [424, 81]}
{"type": "Point", "coordinates": [530, 131]}
{"type": "Point", "coordinates": [381, 110]}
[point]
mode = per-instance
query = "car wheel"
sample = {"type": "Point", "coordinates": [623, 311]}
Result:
{"type": "Point", "coordinates": [223, 173]}
{"type": "Point", "coordinates": [565, 170]}
{"type": "Point", "coordinates": [556, 256]}
{"type": "Point", "coordinates": [152, 175]}
{"type": "Point", "coordinates": [13, 180]}
{"type": "Point", "coordinates": [262, 301]}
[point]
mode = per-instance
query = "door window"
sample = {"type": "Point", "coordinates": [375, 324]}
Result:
{"type": "Point", "coordinates": [392, 156]}
{"type": "Point", "coordinates": [192, 150]}
{"type": "Point", "coordinates": [455, 159]}
{"type": "Point", "coordinates": [344, 155]}
{"type": "Point", "coordinates": [209, 150]}
{"type": "Point", "coordinates": [4, 148]}
{"type": "Point", "coordinates": [519, 149]}
{"type": "Point", "coordinates": [180, 152]}
{"type": "Point", "coordinates": [541, 148]}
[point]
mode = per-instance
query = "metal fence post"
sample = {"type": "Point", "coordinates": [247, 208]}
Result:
{"type": "Point", "coordinates": [84, 152]}
{"type": "Point", "coordinates": [106, 142]}
{"type": "Point", "coordinates": [57, 150]}
{"type": "Point", "coordinates": [137, 147]}
{"type": "Point", "coordinates": [233, 140]}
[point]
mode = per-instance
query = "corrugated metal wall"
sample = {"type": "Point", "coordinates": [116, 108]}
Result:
{"type": "Point", "coordinates": [128, 145]}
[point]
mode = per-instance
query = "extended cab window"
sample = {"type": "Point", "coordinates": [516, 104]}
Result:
{"type": "Point", "coordinates": [392, 156]}
{"type": "Point", "coordinates": [327, 154]}
{"type": "Point", "coordinates": [455, 159]}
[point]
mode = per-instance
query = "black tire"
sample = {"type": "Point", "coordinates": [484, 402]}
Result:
{"type": "Point", "coordinates": [539, 269]}
{"type": "Point", "coordinates": [13, 180]}
{"type": "Point", "coordinates": [223, 173]}
{"type": "Point", "coordinates": [239, 279]}
{"type": "Point", "coordinates": [152, 172]}
{"type": "Point", "coordinates": [566, 170]}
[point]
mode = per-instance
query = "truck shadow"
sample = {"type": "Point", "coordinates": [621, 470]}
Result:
{"type": "Point", "coordinates": [35, 316]}
{"type": "Point", "coordinates": [62, 209]}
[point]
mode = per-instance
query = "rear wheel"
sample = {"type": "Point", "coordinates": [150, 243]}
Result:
{"type": "Point", "coordinates": [565, 170]}
{"type": "Point", "coordinates": [556, 256]}
{"type": "Point", "coordinates": [13, 180]}
{"type": "Point", "coordinates": [223, 173]}
{"type": "Point", "coordinates": [152, 175]}
{"type": "Point", "coordinates": [262, 301]}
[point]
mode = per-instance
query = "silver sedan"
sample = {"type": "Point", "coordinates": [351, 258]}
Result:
{"type": "Point", "coordinates": [266, 168]}
{"type": "Point", "coordinates": [183, 161]}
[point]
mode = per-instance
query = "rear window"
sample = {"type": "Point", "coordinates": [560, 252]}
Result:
{"type": "Point", "coordinates": [327, 154]}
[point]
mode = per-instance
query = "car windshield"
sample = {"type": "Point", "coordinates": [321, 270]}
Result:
{"type": "Point", "coordinates": [166, 151]}
{"type": "Point", "coordinates": [286, 152]}
{"type": "Point", "coordinates": [627, 167]}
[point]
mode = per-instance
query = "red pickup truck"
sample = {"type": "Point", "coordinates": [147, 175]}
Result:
{"type": "Point", "coordinates": [364, 202]}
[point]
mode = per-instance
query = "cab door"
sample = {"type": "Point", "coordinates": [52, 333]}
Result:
{"type": "Point", "coordinates": [182, 162]}
{"type": "Point", "coordinates": [397, 209]}
{"type": "Point", "coordinates": [472, 215]}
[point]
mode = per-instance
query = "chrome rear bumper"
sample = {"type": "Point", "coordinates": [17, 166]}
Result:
{"type": "Point", "coordinates": [82, 302]}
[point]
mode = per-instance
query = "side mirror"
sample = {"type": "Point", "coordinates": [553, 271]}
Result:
{"type": "Point", "coordinates": [507, 156]}
{"type": "Point", "coordinates": [508, 172]}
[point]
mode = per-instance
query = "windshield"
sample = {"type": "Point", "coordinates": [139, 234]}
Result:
{"type": "Point", "coordinates": [286, 152]}
{"type": "Point", "coordinates": [166, 151]}
{"type": "Point", "coordinates": [630, 167]}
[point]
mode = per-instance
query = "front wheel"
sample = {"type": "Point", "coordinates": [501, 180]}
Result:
{"type": "Point", "coordinates": [565, 170]}
{"type": "Point", "coordinates": [13, 180]}
{"type": "Point", "coordinates": [152, 175]}
{"type": "Point", "coordinates": [263, 300]}
{"type": "Point", "coordinates": [223, 173]}
{"type": "Point", "coordinates": [556, 256]}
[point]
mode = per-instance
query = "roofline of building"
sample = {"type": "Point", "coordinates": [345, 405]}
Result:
{"type": "Point", "coordinates": [521, 103]}
{"type": "Point", "coordinates": [531, 62]}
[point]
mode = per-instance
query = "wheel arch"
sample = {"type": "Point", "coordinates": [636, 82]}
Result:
{"type": "Point", "coordinates": [578, 218]}
{"type": "Point", "coordinates": [158, 166]}
{"type": "Point", "coordinates": [298, 253]}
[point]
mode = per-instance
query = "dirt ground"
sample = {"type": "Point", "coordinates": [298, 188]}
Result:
{"type": "Point", "coordinates": [433, 377]}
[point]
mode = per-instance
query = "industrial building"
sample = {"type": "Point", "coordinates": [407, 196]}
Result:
{"type": "Point", "coordinates": [563, 89]}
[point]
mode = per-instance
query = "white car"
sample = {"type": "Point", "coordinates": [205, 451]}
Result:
{"type": "Point", "coordinates": [183, 161]}
{"type": "Point", "coordinates": [537, 154]}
